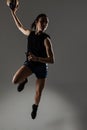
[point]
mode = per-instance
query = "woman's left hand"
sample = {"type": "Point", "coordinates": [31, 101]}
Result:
{"type": "Point", "coordinates": [32, 57]}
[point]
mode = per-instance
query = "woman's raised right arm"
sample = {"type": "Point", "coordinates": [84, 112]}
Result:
{"type": "Point", "coordinates": [19, 24]}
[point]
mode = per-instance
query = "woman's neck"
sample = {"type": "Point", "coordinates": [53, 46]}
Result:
{"type": "Point", "coordinates": [38, 32]}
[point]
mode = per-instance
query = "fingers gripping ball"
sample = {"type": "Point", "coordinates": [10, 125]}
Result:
{"type": "Point", "coordinates": [12, 3]}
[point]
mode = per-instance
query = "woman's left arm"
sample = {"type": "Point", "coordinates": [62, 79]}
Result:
{"type": "Point", "coordinates": [49, 51]}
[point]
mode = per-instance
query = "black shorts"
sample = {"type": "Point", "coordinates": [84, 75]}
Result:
{"type": "Point", "coordinates": [39, 69]}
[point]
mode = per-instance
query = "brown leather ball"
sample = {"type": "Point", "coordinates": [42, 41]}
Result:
{"type": "Point", "coordinates": [12, 3]}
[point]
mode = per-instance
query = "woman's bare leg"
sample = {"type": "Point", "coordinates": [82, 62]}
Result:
{"type": "Point", "coordinates": [39, 88]}
{"type": "Point", "coordinates": [22, 73]}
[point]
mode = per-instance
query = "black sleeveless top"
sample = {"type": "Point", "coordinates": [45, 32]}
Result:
{"type": "Point", "coordinates": [36, 44]}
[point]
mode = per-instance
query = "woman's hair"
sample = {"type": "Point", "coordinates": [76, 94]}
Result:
{"type": "Point", "coordinates": [33, 25]}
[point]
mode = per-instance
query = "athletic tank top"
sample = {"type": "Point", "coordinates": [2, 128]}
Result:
{"type": "Point", "coordinates": [35, 44]}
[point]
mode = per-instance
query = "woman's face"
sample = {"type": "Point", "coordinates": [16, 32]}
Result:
{"type": "Point", "coordinates": [41, 24]}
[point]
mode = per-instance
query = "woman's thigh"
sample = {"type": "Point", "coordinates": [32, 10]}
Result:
{"type": "Point", "coordinates": [22, 73]}
{"type": "Point", "coordinates": [40, 83]}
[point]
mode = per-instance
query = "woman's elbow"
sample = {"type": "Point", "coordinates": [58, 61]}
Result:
{"type": "Point", "coordinates": [52, 60]}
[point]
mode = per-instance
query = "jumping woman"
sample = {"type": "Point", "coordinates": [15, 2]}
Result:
{"type": "Point", "coordinates": [39, 53]}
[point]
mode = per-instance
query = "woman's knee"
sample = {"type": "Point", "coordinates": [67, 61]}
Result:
{"type": "Point", "coordinates": [39, 91]}
{"type": "Point", "coordinates": [14, 80]}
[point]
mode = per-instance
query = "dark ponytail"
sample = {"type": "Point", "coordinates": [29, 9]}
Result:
{"type": "Point", "coordinates": [33, 26]}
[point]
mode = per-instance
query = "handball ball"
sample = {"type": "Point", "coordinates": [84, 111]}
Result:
{"type": "Point", "coordinates": [12, 3]}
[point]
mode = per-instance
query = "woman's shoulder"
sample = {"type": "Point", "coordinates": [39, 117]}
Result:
{"type": "Point", "coordinates": [46, 35]}
{"type": "Point", "coordinates": [31, 33]}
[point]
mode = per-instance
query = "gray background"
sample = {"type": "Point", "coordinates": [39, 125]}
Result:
{"type": "Point", "coordinates": [64, 101]}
